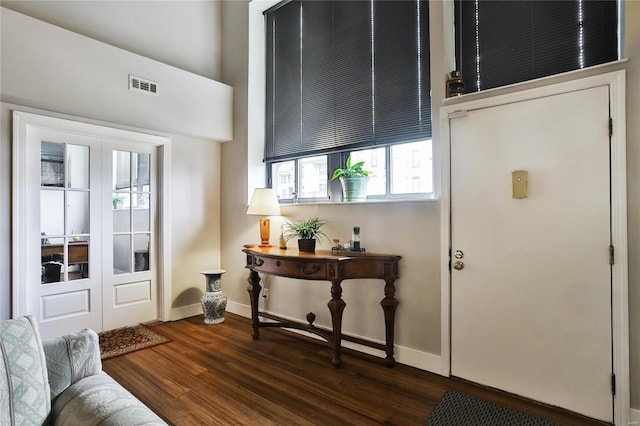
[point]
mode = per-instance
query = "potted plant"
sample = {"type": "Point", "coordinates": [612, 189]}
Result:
{"type": "Point", "coordinates": [354, 180]}
{"type": "Point", "coordinates": [307, 231]}
{"type": "Point", "coordinates": [118, 200]}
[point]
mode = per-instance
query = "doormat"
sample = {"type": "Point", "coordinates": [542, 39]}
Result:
{"type": "Point", "coordinates": [460, 409]}
{"type": "Point", "coordinates": [125, 340]}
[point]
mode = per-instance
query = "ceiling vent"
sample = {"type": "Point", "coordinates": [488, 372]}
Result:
{"type": "Point", "coordinates": [138, 84]}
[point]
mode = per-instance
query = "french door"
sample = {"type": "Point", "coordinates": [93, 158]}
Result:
{"type": "Point", "coordinates": [129, 292]}
{"type": "Point", "coordinates": [87, 212]}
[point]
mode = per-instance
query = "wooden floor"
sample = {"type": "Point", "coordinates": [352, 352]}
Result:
{"type": "Point", "coordinates": [218, 375]}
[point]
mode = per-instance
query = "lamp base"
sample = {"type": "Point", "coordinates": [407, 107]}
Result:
{"type": "Point", "coordinates": [265, 228]}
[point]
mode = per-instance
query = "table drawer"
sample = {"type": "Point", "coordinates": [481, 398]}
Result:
{"type": "Point", "coordinates": [294, 268]}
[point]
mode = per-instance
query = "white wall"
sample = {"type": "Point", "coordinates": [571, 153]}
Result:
{"type": "Point", "coordinates": [154, 29]}
{"type": "Point", "coordinates": [195, 116]}
{"type": "Point", "coordinates": [43, 64]}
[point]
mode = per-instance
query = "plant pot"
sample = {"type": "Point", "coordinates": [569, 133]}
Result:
{"type": "Point", "coordinates": [354, 189]}
{"type": "Point", "coordinates": [307, 245]}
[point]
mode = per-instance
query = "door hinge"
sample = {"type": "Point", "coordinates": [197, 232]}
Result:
{"type": "Point", "coordinates": [611, 255]}
{"type": "Point", "coordinates": [613, 384]}
{"type": "Point", "coordinates": [610, 126]}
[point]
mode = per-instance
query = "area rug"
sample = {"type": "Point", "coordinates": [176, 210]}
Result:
{"type": "Point", "coordinates": [460, 409]}
{"type": "Point", "coordinates": [124, 340]}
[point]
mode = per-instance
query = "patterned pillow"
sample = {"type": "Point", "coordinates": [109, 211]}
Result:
{"type": "Point", "coordinates": [24, 385]}
{"type": "Point", "coordinates": [70, 358]}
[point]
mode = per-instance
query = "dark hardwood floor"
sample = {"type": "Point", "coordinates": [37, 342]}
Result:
{"type": "Point", "coordinates": [218, 375]}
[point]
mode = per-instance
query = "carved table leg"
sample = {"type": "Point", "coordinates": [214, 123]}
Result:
{"type": "Point", "coordinates": [254, 293]}
{"type": "Point", "coordinates": [389, 305]}
{"type": "Point", "coordinates": [336, 306]}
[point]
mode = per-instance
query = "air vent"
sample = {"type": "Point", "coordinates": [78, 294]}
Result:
{"type": "Point", "coordinates": [138, 84]}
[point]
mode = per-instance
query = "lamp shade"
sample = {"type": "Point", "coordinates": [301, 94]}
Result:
{"type": "Point", "coordinates": [264, 202]}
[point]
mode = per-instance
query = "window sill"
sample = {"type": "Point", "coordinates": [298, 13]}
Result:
{"type": "Point", "coordinates": [372, 201]}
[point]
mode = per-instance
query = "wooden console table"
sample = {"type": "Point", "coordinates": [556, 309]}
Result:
{"type": "Point", "coordinates": [324, 266]}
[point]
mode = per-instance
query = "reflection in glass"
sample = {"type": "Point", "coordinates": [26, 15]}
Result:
{"type": "Point", "coordinates": [409, 173]}
{"type": "Point", "coordinates": [374, 162]}
{"type": "Point", "coordinates": [77, 212]}
{"type": "Point", "coordinates": [141, 213]}
{"type": "Point", "coordinates": [141, 173]}
{"type": "Point", "coordinates": [51, 164]}
{"type": "Point", "coordinates": [51, 212]}
{"type": "Point", "coordinates": [121, 170]}
{"type": "Point", "coordinates": [141, 244]}
{"type": "Point", "coordinates": [77, 166]}
{"type": "Point", "coordinates": [313, 176]}
{"type": "Point", "coordinates": [121, 213]}
{"type": "Point", "coordinates": [284, 179]}
{"type": "Point", "coordinates": [52, 258]}
{"type": "Point", "coordinates": [78, 255]}
{"type": "Point", "coordinates": [121, 254]}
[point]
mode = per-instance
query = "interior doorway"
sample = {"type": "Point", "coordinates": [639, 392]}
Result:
{"type": "Point", "coordinates": [86, 213]}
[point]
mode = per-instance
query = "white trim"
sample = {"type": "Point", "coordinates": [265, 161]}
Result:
{"type": "Point", "coordinates": [616, 82]}
{"type": "Point", "coordinates": [164, 237]}
{"type": "Point", "coordinates": [634, 416]}
{"type": "Point", "coordinates": [22, 122]}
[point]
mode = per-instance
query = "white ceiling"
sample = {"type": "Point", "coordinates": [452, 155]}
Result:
{"type": "Point", "coordinates": [182, 33]}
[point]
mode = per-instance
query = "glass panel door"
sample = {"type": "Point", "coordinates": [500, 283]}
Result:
{"type": "Point", "coordinates": [64, 212]}
{"type": "Point", "coordinates": [131, 197]}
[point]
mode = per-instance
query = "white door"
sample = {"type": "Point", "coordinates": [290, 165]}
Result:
{"type": "Point", "coordinates": [64, 275]}
{"type": "Point", "coordinates": [129, 282]}
{"type": "Point", "coordinates": [85, 229]}
{"type": "Point", "coordinates": [531, 306]}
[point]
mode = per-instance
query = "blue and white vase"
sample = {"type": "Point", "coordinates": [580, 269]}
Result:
{"type": "Point", "coordinates": [214, 301]}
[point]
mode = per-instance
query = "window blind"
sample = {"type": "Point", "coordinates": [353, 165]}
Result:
{"type": "Point", "coordinates": [346, 74]}
{"type": "Point", "coordinates": [505, 42]}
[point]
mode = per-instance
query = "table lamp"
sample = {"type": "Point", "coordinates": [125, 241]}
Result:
{"type": "Point", "coordinates": [264, 202]}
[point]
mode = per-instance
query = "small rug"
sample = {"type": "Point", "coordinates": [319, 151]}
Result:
{"type": "Point", "coordinates": [460, 409]}
{"type": "Point", "coordinates": [128, 339]}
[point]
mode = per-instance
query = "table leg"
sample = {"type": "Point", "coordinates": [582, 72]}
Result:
{"type": "Point", "coordinates": [389, 305]}
{"type": "Point", "coordinates": [254, 294]}
{"type": "Point", "coordinates": [336, 306]}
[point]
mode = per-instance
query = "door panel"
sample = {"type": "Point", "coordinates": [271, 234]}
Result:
{"type": "Point", "coordinates": [64, 247]}
{"type": "Point", "coordinates": [531, 308]}
{"type": "Point", "coordinates": [129, 278]}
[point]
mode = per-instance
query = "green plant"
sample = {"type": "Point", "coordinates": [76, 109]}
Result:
{"type": "Point", "coordinates": [117, 198]}
{"type": "Point", "coordinates": [350, 171]}
{"type": "Point", "coordinates": [305, 229]}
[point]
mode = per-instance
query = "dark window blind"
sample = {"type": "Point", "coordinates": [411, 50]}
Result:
{"type": "Point", "coordinates": [505, 42]}
{"type": "Point", "coordinates": [346, 74]}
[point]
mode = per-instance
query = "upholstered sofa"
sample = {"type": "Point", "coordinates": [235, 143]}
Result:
{"type": "Point", "coordinates": [60, 381]}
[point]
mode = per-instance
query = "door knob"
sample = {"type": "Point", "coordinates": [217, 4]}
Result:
{"type": "Point", "coordinates": [458, 266]}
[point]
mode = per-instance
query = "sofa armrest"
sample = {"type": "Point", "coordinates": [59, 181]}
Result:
{"type": "Point", "coordinates": [71, 358]}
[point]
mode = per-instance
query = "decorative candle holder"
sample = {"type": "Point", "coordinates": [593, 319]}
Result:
{"type": "Point", "coordinates": [214, 301]}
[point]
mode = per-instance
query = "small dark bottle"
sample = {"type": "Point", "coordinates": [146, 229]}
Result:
{"type": "Point", "coordinates": [355, 239]}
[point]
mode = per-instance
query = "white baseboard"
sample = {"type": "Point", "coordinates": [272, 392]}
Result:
{"type": "Point", "coordinates": [403, 355]}
{"type": "Point", "coordinates": [634, 416]}
{"type": "Point", "coordinates": [185, 312]}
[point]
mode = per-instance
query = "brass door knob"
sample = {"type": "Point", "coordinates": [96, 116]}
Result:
{"type": "Point", "coordinates": [458, 266]}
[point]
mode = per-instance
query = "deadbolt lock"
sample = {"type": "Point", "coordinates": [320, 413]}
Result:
{"type": "Point", "coordinates": [459, 254]}
{"type": "Point", "coordinates": [458, 266]}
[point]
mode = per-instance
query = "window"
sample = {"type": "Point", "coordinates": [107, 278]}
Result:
{"type": "Point", "coordinates": [347, 77]}
{"type": "Point", "coordinates": [506, 42]}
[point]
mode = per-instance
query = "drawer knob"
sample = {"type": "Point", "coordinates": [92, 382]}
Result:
{"type": "Point", "coordinates": [259, 262]}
